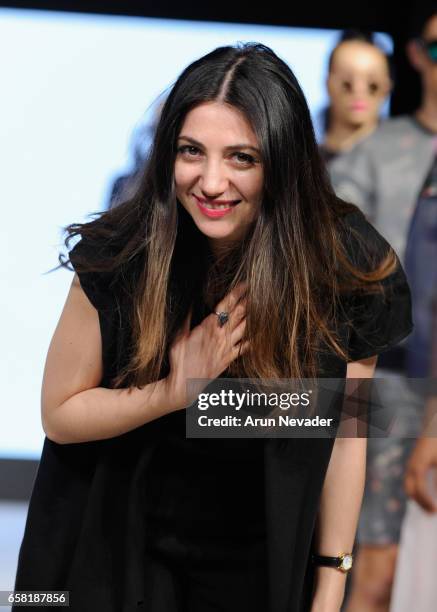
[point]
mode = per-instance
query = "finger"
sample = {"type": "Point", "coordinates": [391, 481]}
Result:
{"type": "Point", "coordinates": [237, 315]}
{"type": "Point", "coordinates": [230, 300]}
{"type": "Point", "coordinates": [239, 349]}
{"type": "Point", "coordinates": [410, 487]}
{"type": "Point", "coordinates": [238, 332]}
{"type": "Point", "coordinates": [240, 287]}
{"type": "Point", "coordinates": [422, 495]}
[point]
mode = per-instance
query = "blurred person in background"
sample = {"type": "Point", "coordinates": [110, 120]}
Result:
{"type": "Point", "coordinates": [392, 176]}
{"type": "Point", "coordinates": [423, 459]}
{"type": "Point", "coordinates": [415, 586]}
{"type": "Point", "coordinates": [359, 80]}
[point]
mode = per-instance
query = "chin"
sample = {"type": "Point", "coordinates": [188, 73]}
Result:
{"type": "Point", "coordinates": [355, 123]}
{"type": "Point", "coordinates": [211, 233]}
{"type": "Point", "coordinates": [219, 233]}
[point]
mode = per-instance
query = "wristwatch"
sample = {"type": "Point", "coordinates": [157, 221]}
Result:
{"type": "Point", "coordinates": [343, 562]}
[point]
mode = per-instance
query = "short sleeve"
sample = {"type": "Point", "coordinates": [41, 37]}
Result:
{"type": "Point", "coordinates": [379, 320]}
{"type": "Point", "coordinates": [94, 284]}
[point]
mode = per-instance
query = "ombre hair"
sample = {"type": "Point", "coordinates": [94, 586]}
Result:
{"type": "Point", "coordinates": [292, 257]}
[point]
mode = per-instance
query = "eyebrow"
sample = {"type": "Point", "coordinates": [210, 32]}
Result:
{"type": "Point", "coordinates": [230, 147]}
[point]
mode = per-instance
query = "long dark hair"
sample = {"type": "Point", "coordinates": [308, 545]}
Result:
{"type": "Point", "coordinates": [292, 257]}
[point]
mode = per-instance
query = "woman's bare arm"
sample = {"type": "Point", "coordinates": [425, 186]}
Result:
{"type": "Point", "coordinates": [73, 406]}
{"type": "Point", "coordinates": [340, 505]}
{"type": "Point", "coordinates": [76, 409]}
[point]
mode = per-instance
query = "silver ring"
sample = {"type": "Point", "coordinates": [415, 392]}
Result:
{"type": "Point", "coordinates": [223, 317]}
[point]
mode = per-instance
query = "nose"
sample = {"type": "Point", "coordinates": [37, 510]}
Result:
{"type": "Point", "coordinates": [213, 180]}
{"type": "Point", "coordinates": [359, 87]}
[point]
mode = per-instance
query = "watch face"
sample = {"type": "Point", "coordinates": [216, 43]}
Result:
{"type": "Point", "coordinates": [346, 564]}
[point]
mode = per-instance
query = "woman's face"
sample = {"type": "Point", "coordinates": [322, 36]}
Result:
{"type": "Point", "coordinates": [218, 172]}
{"type": "Point", "coordinates": [358, 83]}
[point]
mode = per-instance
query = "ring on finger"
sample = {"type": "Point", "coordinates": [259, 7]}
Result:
{"type": "Point", "coordinates": [223, 317]}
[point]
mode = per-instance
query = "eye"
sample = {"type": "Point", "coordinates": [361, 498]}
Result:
{"type": "Point", "coordinates": [244, 159]}
{"type": "Point", "coordinates": [373, 88]}
{"type": "Point", "coordinates": [346, 86]}
{"type": "Point", "coordinates": [190, 150]}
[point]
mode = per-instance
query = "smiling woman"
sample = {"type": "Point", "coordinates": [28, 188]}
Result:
{"type": "Point", "coordinates": [217, 179]}
{"type": "Point", "coordinates": [233, 259]}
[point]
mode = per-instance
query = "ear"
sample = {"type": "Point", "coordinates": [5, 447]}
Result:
{"type": "Point", "coordinates": [415, 55]}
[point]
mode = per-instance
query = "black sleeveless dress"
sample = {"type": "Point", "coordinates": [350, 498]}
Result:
{"type": "Point", "coordinates": [98, 509]}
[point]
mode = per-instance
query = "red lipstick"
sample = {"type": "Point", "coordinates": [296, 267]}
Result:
{"type": "Point", "coordinates": [215, 213]}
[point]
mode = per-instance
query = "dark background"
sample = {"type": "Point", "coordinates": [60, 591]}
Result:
{"type": "Point", "coordinates": [16, 476]}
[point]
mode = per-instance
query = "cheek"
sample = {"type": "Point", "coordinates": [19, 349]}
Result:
{"type": "Point", "coordinates": [183, 175]}
{"type": "Point", "coordinates": [374, 106]}
{"type": "Point", "coordinates": [341, 104]}
{"type": "Point", "coordinates": [252, 187]}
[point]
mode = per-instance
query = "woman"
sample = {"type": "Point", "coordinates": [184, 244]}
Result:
{"type": "Point", "coordinates": [359, 81]}
{"type": "Point", "coordinates": [234, 259]}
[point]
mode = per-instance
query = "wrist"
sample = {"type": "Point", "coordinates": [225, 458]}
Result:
{"type": "Point", "coordinates": [315, 607]}
{"type": "Point", "coordinates": [343, 561]}
{"type": "Point", "coordinates": [329, 589]}
{"type": "Point", "coordinates": [327, 607]}
{"type": "Point", "coordinates": [170, 398]}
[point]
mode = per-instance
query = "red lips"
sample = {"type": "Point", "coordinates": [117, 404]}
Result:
{"type": "Point", "coordinates": [214, 213]}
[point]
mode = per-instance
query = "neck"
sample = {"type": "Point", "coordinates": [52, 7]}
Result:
{"type": "Point", "coordinates": [219, 249]}
{"type": "Point", "coordinates": [342, 136]}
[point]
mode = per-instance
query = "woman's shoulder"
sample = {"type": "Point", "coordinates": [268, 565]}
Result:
{"type": "Point", "coordinates": [354, 220]}
{"type": "Point", "coordinates": [363, 243]}
{"type": "Point", "coordinates": [92, 250]}
{"type": "Point", "coordinates": [93, 261]}
{"type": "Point", "coordinates": [379, 319]}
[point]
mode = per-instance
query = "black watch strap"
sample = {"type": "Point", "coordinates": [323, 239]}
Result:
{"type": "Point", "coordinates": [328, 561]}
{"type": "Point", "coordinates": [343, 563]}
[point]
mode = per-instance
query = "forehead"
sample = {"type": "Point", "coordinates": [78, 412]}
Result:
{"type": "Point", "coordinates": [359, 57]}
{"type": "Point", "coordinates": [219, 121]}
